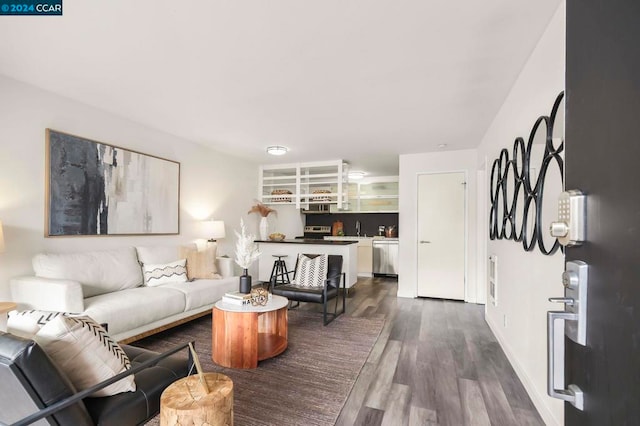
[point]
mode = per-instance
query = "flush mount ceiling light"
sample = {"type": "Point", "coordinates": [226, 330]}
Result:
{"type": "Point", "coordinates": [277, 150]}
{"type": "Point", "coordinates": [356, 175]}
{"type": "Point", "coordinates": [442, 145]}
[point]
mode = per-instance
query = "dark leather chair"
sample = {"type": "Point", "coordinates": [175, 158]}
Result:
{"type": "Point", "coordinates": [31, 383]}
{"type": "Point", "coordinates": [330, 290]}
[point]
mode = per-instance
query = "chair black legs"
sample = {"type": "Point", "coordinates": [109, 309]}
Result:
{"type": "Point", "coordinates": [291, 305]}
{"type": "Point", "coordinates": [335, 313]}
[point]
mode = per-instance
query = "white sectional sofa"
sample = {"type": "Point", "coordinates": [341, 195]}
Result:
{"type": "Point", "coordinates": [109, 287]}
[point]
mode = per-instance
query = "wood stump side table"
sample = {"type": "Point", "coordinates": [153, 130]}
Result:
{"type": "Point", "coordinates": [185, 403]}
{"type": "Point", "coordinates": [244, 335]}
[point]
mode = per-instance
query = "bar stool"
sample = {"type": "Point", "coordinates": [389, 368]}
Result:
{"type": "Point", "coordinates": [279, 270]}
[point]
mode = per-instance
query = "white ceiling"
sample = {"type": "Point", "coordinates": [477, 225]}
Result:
{"type": "Point", "coordinates": [361, 80]}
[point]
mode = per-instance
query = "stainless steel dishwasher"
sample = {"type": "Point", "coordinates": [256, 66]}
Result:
{"type": "Point", "coordinates": [385, 256]}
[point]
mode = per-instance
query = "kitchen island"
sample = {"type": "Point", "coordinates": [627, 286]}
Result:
{"type": "Point", "coordinates": [347, 249]}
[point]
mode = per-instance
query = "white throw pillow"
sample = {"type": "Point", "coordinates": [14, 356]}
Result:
{"type": "Point", "coordinates": [311, 272]}
{"type": "Point", "coordinates": [81, 348]}
{"type": "Point", "coordinates": [28, 323]}
{"type": "Point", "coordinates": [156, 274]}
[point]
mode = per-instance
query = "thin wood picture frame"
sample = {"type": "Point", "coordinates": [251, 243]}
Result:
{"type": "Point", "coordinates": [97, 189]}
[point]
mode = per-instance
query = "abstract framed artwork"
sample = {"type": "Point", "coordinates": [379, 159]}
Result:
{"type": "Point", "coordinates": [93, 188]}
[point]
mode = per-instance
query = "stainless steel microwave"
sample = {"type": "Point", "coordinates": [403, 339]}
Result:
{"type": "Point", "coordinates": [316, 209]}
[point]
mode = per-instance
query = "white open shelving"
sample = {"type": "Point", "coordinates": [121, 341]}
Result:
{"type": "Point", "coordinates": [304, 184]}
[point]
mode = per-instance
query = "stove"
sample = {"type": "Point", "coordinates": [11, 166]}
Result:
{"type": "Point", "coordinates": [316, 232]}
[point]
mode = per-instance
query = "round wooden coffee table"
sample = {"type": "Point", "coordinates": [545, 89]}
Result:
{"type": "Point", "coordinates": [244, 335]}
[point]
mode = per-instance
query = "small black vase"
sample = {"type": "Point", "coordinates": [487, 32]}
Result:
{"type": "Point", "coordinates": [245, 282]}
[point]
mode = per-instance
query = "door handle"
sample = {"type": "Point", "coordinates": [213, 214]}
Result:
{"type": "Point", "coordinates": [565, 300]}
{"type": "Point", "coordinates": [425, 242]}
{"type": "Point", "coordinates": [573, 393]}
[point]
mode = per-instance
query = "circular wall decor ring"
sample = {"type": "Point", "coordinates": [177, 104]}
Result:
{"type": "Point", "coordinates": [516, 194]}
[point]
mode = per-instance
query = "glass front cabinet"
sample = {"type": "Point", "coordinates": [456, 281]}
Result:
{"type": "Point", "coordinates": [372, 195]}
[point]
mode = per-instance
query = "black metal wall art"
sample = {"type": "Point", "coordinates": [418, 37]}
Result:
{"type": "Point", "coordinates": [516, 195]}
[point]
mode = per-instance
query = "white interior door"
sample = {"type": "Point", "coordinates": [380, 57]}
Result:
{"type": "Point", "coordinates": [441, 235]}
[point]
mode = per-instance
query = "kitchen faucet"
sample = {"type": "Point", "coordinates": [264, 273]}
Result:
{"type": "Point", "coordinates": [358, 228]}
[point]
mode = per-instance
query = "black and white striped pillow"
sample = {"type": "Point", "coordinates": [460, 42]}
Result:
{"type": "Point", "coordinates": [157, 274]}
{"type": "Point", "coordinates": [28, 323]}
{"type": "Point", "coordinates": [311, 271]}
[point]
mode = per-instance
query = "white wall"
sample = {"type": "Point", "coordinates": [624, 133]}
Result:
{"type": "Point", "coordinates": [411, 165]}
{"type": "Point", "coordinates": [289, 221]}
{"type": "Point", "coordinates": [212, 185]}
{"type": "Point", "coordinates": [527, 279]}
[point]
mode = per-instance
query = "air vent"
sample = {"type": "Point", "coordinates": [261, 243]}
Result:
{"type": "Point", "coordinates": [493, 279]}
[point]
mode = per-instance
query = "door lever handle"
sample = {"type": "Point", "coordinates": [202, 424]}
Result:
{"type": "Point", "coordinates": [425, 242]}
{"type": "Point", "coordinates": [573, 394]}
{"type": "Point", "coordinates": [566, 300]}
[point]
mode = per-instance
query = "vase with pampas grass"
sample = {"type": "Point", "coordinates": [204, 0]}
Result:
{"type": "Point", "coordinates": [246, 253]}
{"type": "Point", "coordinates": [263, 211]}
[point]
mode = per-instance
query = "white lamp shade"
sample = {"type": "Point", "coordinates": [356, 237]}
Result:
{"type": "Point", "coordinates": [214, 229]}
{"type": "Point", "coordinates": [1, 239]}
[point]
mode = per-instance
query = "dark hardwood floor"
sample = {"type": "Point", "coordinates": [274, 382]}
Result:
{"type": "Point", "coordinates": [436, 363]}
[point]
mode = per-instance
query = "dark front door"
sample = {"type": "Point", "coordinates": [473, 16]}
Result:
{"type": "Point", "coordinates": [603, 160]}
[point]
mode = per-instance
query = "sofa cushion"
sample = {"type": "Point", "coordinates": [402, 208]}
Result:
{"type": "Point", "coordinates": [135, 307]}
{"type": "Point", "coordinates": [162, 273]}
{"type": "Point", "coordinates": [200, 263]}
{"type": "Point", "coordinates": [86, 354]}
{"type": "Point", "coordinates": [203, 292]}
{"type": "Point", "coordinates": [98, 272]}
{"type": "Point", "coordinates": [137, 407]}
{"type": "Point", "coordinates": [157, 254]}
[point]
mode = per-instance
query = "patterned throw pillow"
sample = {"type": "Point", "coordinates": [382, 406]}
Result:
{"type": "Point", "coordinates": [311, 271]}
{"type": "Point", "coordinates": [174, 272]}
{"type": "Point", "coordinates": [27, 323]}
{"type": "Point", "coordinates": [81, 348]}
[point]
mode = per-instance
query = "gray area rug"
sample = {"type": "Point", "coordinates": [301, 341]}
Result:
{"type": "Point", "coordinates": [306, 385]}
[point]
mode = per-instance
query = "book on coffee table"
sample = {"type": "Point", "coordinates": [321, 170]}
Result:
{"type": "Point", "coordinates": [234, 301]}
{"type": "Point", "coordinates": [237, 295]}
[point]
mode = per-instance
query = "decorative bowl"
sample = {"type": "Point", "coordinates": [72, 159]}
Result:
{"type": "Point", "coordinates": [276, 236]}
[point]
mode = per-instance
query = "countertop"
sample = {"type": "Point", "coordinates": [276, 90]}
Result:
{"type": "Point", "coordinates": [310, 241]}
{"type": "Point", "coordinates": [354, 238]}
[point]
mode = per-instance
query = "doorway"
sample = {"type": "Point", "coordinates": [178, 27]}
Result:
{"type": "Point", "coordinates": [441, 235]}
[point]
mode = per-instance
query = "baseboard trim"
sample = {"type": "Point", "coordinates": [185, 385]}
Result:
{"type": "Point", "coordinates": [538, 399]}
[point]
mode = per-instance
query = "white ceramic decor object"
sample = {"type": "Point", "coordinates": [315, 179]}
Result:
{"type": "Point", "coordinates": [264, 229]}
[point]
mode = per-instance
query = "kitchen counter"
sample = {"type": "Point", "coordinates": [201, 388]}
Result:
{"type": "Point", "coordinates": [356, 238]}
{"type": "Point", "coordinates": [291, 248]}
{"type": "Point", "coordinates": [309, 241]}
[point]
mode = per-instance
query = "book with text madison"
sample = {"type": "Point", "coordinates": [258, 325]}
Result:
{"type": "Point", "coordinates": [233, 301]}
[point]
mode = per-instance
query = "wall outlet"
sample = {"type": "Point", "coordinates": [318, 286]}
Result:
{"type": "Point", "coordinates": [504, 320]}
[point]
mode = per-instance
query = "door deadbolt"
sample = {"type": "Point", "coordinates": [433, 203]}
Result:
{"type": "Point", "coordinates": [570, 228]}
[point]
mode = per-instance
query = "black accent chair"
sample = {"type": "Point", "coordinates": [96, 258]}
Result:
{"type": "Point", "coordinates": [32, 387]}
{"type": "Point", "coordinates": [330, 290]}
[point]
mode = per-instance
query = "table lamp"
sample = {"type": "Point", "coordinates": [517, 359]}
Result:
{"type": "Point", "coordinates": [214, 229]}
